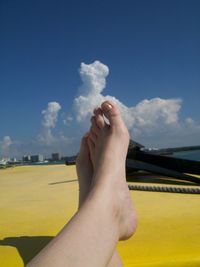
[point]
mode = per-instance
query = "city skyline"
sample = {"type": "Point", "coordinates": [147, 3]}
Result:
{"type": "Point", "coordinates": [54, 157]}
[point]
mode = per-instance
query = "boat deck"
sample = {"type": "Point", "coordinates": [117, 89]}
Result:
{"type": "Point", "coordinates": [36, 202]}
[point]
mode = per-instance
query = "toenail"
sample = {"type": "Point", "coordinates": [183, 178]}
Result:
{"type": "Point", "coordinates": [108, 106]}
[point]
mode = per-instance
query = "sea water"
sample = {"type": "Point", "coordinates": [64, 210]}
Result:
{"type": "Point", "coordinates": [191, 154]}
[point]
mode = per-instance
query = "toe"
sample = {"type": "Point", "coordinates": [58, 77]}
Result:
{"type": "Point", "coordinates": [97, 111]}
{"type": "Point", "coordinates": [100, 122]}
{"type": "Point", "coordinates": [94, 127]}
{"type": "Point", "coordinates": [112, 113]}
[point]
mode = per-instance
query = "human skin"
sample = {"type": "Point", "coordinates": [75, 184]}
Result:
{"type": "Point", "coordinates": [85, 168]}
{"type": "Point", "coordinates": [105, 213]}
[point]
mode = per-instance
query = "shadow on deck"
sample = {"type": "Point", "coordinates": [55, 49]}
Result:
{"type": "Point", "coordinates": [27, 246]}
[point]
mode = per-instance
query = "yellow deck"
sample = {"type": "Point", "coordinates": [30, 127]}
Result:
{"type": "Point", "coordinates": [37, 201]}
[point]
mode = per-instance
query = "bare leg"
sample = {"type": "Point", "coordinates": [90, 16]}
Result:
{"type": "Point", "coordinates": [89, 239]}
{"type": "Point", "coordinates": [84, 167]}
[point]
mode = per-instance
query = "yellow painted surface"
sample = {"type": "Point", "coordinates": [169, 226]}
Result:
{"type": "Point", "coordinates": [36, 202]}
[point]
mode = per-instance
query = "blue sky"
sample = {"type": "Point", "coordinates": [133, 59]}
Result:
{"type": "Point", "coordinates": [150, 47]}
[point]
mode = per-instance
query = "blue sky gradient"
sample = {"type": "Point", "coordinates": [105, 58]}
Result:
{"type": "Point", "coordinates": [152, 49]}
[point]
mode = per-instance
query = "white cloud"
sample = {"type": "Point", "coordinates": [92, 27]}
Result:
{"type": "Point", "coordinates": [5, 144]}
{"type": "Point", "coordinates": [50, 116]}
{"type": "Point", "coordinates": [152, 122]}
{"type": "Point", "coordinates": [147, 113]}
{"type": "Point", "coordinates": [154, 115]}
{"type": "Point", "coordinates": [93, 77]}
{"type": "Point", "coordinates": [52, 139]}
{"type": "Point", "coordinates": [155, 118]}
{"type": "Point", "coordinates": [68, 120]}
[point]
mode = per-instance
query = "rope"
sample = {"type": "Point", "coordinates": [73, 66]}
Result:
{"type": "Point", "coordinates": [165, 189]}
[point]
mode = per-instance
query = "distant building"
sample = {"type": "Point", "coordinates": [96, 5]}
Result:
{"type": "Point", "coordinates": [3, 162]}
{"type": "Point", "coordinates": [37, 158]}
{"type": "Point", "coordinates": [26, 158]}
{"type": "Point", "coordinates": [55, 156]}
{"type": "Point", "coordinates": [13, 160]}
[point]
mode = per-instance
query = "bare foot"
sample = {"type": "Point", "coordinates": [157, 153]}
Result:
{"type": "Point", "coordinates": [108, 145]}
{"type": "Point", "coordinates": [84, 170]}
{"type": "Point", "coordinates": [84, 167]}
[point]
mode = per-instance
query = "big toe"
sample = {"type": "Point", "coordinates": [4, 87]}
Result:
{"type": "Point", "coordinates": [112, 113]}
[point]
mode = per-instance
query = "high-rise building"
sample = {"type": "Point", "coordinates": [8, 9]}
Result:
{"type": "Point", "coordinates": [26, 158]}
{"type": "Point", "coordinates": [37, 158]}
{"type": "Point", "coordinates": [55, 156]}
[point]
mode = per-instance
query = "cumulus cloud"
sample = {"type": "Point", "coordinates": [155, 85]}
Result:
{"type": "Point", "coordinates": [153, 115]}
{"type": "Point", "coordinates": [50, 116]}
{"type": "Point", "coordinates": [52, 138]}
{"type": "Point", "coordinates": [93, 77]}
{"type": "Point", "coordinates": [5, 146]}
{"type": "Point", "coordinates": [68, 120]}
{"type": "Point", "coordinates": [152, 122]}
{"type": "Point", "coordinates": [6, 143]}
{"type": "Point", "coordinates": [146, 113]}
{"type": "Point", "coordinates": [149, 118]}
